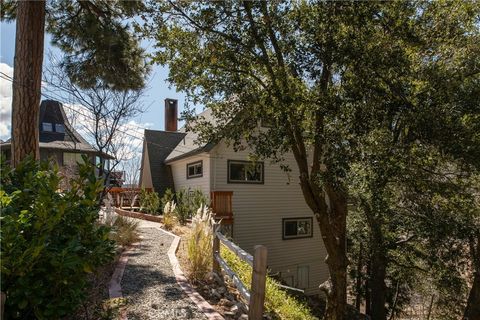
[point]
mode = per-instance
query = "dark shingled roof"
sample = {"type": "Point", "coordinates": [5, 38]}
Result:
{"type": "Point", "coordinates": [70, 140]}
{"type": "Point", "coordinates": [160, 144]}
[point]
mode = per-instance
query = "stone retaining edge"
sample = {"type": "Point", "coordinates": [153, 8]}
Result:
{"type": "Point", "coordinates": [201, 303]}
{"type": "Point", "coordinates": [114, 287]}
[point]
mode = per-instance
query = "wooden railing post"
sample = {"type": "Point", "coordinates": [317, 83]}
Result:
{"type": "Point", "coordinates": [259, 275]}
{"type": "Point", "coordinates": [215, 249]}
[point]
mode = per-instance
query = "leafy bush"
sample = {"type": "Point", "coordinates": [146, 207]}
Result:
{"type": "Point", "coordinates": [188, 201]}
{"type": "Point", "coordinates": [50, 240]}
{"type": "Point", "coordinates": [169, 218]}
{"type": "Point", "coordinates": [149, 201]}
{"type": "Point", "coordinates": [125, 231]}
{"type": "Point", "coordinates": [199, 245]}
{"type": "Point", "coordinates": [278, 303]}
{"type": "Point", "coordinates": [183, 207]}
{"type": "Point", "coordinates": [167, 197]}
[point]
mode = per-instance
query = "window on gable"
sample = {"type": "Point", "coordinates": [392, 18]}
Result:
{"type": "Point", "coordinates": [194, 169]}
{"type": "Point", "coordinates": [295, 228]}
{"type": "Point", "coordinates": [59, 128]}
{"type": "Point", "coordinates": [47, 126]}
{"type": "Point", "coordinates": [70, 158]}
{"type": "Point", "coordinates": [245, 172]}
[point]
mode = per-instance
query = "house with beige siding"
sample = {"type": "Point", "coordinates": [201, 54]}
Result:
{"type": "Point", "coordinates": [263, 204]}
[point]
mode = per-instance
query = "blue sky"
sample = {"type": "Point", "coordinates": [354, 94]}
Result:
{"type": "Point", "coordinates": [154, 97]}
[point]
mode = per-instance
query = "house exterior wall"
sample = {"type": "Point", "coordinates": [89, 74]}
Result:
{"type": "Point", "coordinates": [258, 211]}
{"type": "Point", "coordinates": [179, 173]}
{"type": "Point", "coordinates": [146, 178]}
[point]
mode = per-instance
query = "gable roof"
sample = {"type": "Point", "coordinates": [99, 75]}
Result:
{"type": "Point", "coordinates": [160, 144]}
{"type": "Point", "coordinates": [52, 112]}
{"type": "Point", "coordinates": [189, 145]}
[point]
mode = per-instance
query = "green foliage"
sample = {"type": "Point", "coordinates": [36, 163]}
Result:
{"type": "Point", "coordinates": [149, 201]}
{"type": "Point", "coordinates": [188, 202]}
{"type": "Point", "coordinates": [100, 48]}
{"type": "Point", "coordinates": [168, 196]}
{"type": "Point", "coordinates": [124, 231]}
{"type": "Point", "coordinates": [378, 102]}
{"type": "Point", "coordinates": [50, 240]}
{"type": "Point", "coordinates": [199, 245]}
{"type": "Point", "coordinates": [278, 303]}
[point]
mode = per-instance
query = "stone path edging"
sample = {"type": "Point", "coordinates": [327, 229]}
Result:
{"type": "Point", "coordinates": [115, 289]}
{"type": "Point", "coordinates": [201, 303]}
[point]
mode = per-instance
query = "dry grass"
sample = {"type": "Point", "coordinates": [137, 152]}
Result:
{"type": "Point", "coordinates": [199, 246]}
{"type": "Point", "coordinates": [169, 218]}
{"type": "Point", "coordinates": [125, 231]}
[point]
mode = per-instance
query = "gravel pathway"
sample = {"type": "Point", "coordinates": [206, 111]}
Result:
{"type": "Point", "coordinates": [149, 284]}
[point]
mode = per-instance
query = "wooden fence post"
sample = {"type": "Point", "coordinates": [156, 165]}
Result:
{"type": "Point", "coordinates": [259, 277]}
{"type": "Point", "coordinates": [215, 249]}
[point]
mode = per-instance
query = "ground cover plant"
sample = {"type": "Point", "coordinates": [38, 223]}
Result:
{"type": "Point", "coordinates": [50, 239]}
{"type": "Point", "coordinates": [278, 303]}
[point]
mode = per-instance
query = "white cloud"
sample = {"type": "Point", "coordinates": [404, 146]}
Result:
{"type": "Point", "coordinates": [5, 101]}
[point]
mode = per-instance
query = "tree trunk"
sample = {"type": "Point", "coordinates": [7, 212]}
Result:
{"type": "Point", "coordinates": [334, 238]}
{"type": "Point", "coordinates": [378, 288]}
{"type": "Point", "coordinates": [358, 283]}
{"type": "Point", "coordinates": [27, 76]}
{"type": "Point", "coordinates": [472, 311]}
{"type": "Point", "coordinates": [335, 288]}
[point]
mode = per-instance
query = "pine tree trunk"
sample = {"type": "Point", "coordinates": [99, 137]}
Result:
{"type": "Point", "coordinates": [27, 78]}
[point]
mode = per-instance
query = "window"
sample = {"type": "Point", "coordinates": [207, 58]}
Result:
{"type": "Point", "coordinates": [245, 172]}
{"type": "Point", "coordinates": [295, 228]}
{"type": "Point", "coordinates": [194, 169]}
{"type": "Point", "coordinates": [59, 128]}
{"type": "Point", "coordinates": [47, 126]}
{"type": "Point", "coordinates": [72, 158]}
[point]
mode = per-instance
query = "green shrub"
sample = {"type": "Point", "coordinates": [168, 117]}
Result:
{"type": "Point", "coordinates": [167, 197]}
{"type": "Point", "coordinates": [124, 231]}
{"type": "Point", "coordinates": [149, 201]}
{"type": "Point", "coordinates": [188, 202]}
{"type": "Point", "coordinates": [199, 245]}
{"type": "Point", "coordinates": [50, 240]}
{"type": "Point", "coordinates": [278, 303]}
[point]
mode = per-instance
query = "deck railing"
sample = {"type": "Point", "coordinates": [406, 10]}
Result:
{"type": "Point", "coordinates": [258, 262]}
{"type": "Point", "coordinates": [126, 197]}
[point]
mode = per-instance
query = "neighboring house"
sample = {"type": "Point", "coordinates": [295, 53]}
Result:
{"type": "Point", "coordinates": [267, 203]}
{"type": "Point", "coordinates": [58, 140]}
